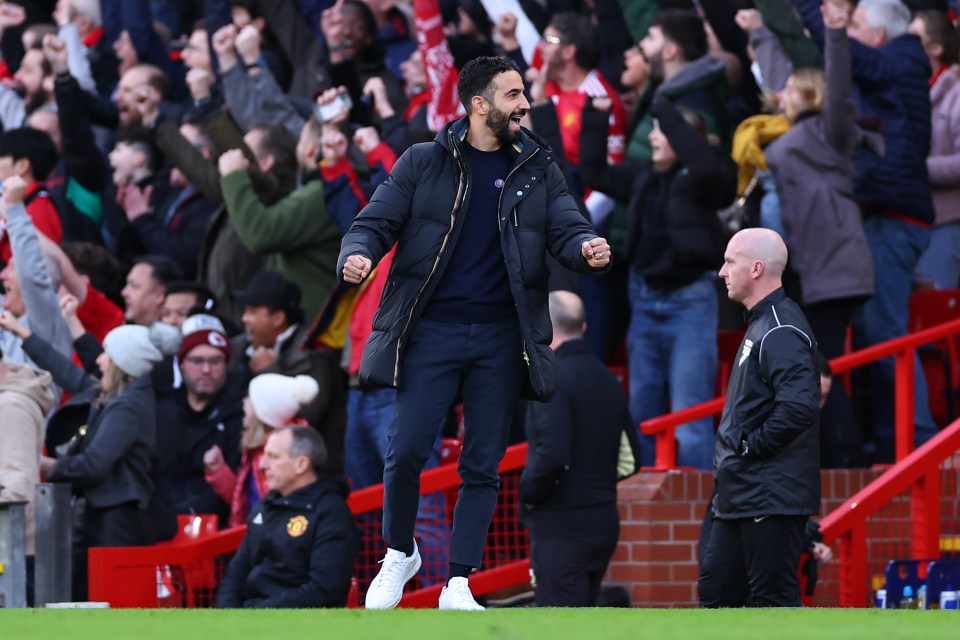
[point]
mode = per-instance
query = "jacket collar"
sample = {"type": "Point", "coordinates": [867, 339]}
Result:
{"type": "Point", "coordinates": [761, 307]}
{"type": "Point", "coordinates": [526, 145]}
{"type": "Point", "coordinates": [577, 346]}
{"type": "Point", "coordinates": [306, 497]}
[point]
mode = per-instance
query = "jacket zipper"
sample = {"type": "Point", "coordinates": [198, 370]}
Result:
{"type": "Point", "coordinates": [500, 203]}
{"type": "Point", "coordinates": [457, 203]}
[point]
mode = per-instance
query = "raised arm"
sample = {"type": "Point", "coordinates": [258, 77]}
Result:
{"type": "Point", "coordinates": [839, 109]}
{"type": "Point", "coordinates": [869, 64]}
{"type": "Point", "coordinates": [36, 287]}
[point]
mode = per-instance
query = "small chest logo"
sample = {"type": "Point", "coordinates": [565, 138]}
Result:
{"type": "Point", "coordinates": [498, 183]}
{"type": "Point", "coordinates": [747, 346]}
{"type": "Point", "coordinates": [297, 526]}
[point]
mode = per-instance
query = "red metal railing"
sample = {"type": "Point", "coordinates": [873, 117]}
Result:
{"type": "Point", "coordinates": [902, 349]}
{"type": "Point", "coordinates": [919, 472]}
{"type": "Point", "coordinates": [127, 576]}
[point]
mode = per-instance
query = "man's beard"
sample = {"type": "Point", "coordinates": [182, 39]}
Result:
{"type": "Point", "coordinates": [499, 123]}
{"type": "Point", "coordinates": [656, 67]}
{"type": "Point", "coordinates": [37, 100]}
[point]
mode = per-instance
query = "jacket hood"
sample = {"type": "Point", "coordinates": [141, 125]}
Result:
{"type": "Point", "coordinates": [30, 383]}
{"type": "Point", "coordinates": [701, 72]}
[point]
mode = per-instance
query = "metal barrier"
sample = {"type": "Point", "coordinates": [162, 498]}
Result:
{"type": "Point", "coordinates": [113, 572]}
{"type": "Point", "coordinates": [13, 555]}
{"type": "Point", "coordinates": [53, 563]}
{"type": "Point", "coordinates": [901, 511]}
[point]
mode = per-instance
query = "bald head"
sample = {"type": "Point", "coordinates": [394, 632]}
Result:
{"type": "Point", "coordinates": [567, 316]}
{"type": "Point", "coordinates": [765, 245]}
{"type": "Point", "coordinates": [753, 265]}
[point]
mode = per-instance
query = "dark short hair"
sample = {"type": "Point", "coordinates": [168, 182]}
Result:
{"type": "Point", "coordinates": [307, 441]}
{"type": "Point", "coordinates": [476, 78]}
{"type": "Point", "coordinates": [685, 29]}
{"type": "Point", "coordinates": [98, 264]}
{"type": "Point", "coordinates": [279, 142]}
{"type": "Point", "coordinates": [141, 139]}
{"type": "Point", "coordinates": [164, 269]}
{"type": "Point", "coordinates": [579, 30]}
{"type": "Point", "coordinates": [941, 31]}
{"type": "Point", "coordinates": [366, 13]}
{"type": "Point", "coordinates": [34, 145]}
{"type": "Point", "coordinates": [206, 299]}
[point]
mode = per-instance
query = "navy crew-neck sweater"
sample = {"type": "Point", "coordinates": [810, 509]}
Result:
{"type": "Point", "coordinates": [474, 288]}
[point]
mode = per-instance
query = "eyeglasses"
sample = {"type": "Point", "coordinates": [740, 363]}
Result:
{"type": "Point", "coordinates": [552, 39]}
{"type": "Point", "coordinates": [213, 361]}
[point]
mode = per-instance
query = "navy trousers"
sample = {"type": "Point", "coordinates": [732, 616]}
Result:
{"type": "Point", "coordinates": [483, 363]}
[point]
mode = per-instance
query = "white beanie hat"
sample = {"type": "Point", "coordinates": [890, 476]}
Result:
{"type": "Point", "coordinates": [276, 399]}
{"type": "Point", "coordinates": [135, 348]}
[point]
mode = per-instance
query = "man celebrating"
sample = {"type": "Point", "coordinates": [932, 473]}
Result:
{"type": "Point", "coordinates": [465, 308]}
{"type": "Point", "coordinates": [767, 456]}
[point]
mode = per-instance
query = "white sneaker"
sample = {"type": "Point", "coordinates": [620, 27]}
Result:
{"type": "Point", "coordinates": [387, 588]}
{"type": "Point", "coordinates": [457, 596]}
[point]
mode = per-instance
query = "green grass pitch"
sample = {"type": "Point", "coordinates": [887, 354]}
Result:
{"type": "Point", "coordinates": [496, 624]}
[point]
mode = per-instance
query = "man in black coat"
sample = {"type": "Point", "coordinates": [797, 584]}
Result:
{"type": "Point", "coordinates": [210, 412]}
{"type": "Point", "coordinates": [464, 309]}
{"type": "Point", "coordinates": [569, 485]}
{"type": "Point", "coordinates": [301, 542]}
{"type": "Point", "coordinates": [767, 455]}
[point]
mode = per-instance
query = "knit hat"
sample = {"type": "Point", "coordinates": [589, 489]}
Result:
{"type": "Point", "coordinates": [135, 348]}
{"type": "Point", "coordinates": [203, 329]}
{"type": "Point", "coordinates": [276, 399]}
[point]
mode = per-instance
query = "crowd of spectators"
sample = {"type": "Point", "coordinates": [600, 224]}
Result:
{"type": "Point", "coordinates": [195, 165]}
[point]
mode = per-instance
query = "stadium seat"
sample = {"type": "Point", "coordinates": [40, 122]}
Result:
{"type": "Point", "coordinates": [198, 580]}
{"type": "Point", "coordinates": [940, 361]}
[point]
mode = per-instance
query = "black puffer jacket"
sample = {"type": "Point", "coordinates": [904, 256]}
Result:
{"type": "Point", "coordinates": [418, 207]}
{"type": "Point", "coordinates": [767, 456]}
{"type": "Point", "coordinates": [298, 552]}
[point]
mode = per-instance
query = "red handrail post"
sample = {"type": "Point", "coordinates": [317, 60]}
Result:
{"type": "Point", "coordinates": [904, 402]}
{"type": "Point", "coordinates": [853, 566]}
{"type": "Point", "coordinates": [666, 449]}
{"type": "Point", "coordinates": [925, 511]}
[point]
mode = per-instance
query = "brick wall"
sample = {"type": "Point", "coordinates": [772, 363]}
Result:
{"type": "Point", "coordinates": [661, 513]}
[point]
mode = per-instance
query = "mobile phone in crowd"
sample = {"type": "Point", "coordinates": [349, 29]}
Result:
{"type": "Point", "coordinates": [341, 104]}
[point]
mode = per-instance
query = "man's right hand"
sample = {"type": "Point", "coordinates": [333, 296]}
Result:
{"type": "Point", "coordinates": [213, 458]}
{"type": "Point", "coordinates": [147, 101]}
{"type": "Point", "coordinates": [749, 20]}
{"type": "Point", "coordinates": [224, 40]}
{"type": "Point", "coordinates": [11, 15]}
{"type": "Point", "coordinates": [14, 191]}
{"type": "Point", "coordinates": [356, 269]}
{"type": "Point", "coordinates": [55, 51]}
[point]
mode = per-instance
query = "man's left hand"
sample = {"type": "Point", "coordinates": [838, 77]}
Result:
{"type": "Point", "coordinates": [596, 252]}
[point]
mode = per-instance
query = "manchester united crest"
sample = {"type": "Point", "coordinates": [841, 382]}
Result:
{"type": "Point", "coordinates": [297, 526]}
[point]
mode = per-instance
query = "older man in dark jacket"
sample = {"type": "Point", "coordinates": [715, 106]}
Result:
{"type": "Point", "coordinates": [301, 542]}
{"type": "Point", "coordinates": [891, 72]}
{"type": "Point", "coordinates": [465, 307]}
{"type": "Point", "coordinates": [767, 456]}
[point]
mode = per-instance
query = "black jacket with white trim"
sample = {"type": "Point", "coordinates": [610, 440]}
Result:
{"type": "Point", "coordinates": [767, 456]}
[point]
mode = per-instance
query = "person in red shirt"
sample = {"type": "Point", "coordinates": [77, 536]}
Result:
{"type": "Point", "coordinates": [571, 52]}
{"type": "Point", "coordinates": [31, 155]}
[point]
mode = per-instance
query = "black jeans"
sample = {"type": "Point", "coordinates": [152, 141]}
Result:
{"type": "Point", "coordinates": [751, 563]}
